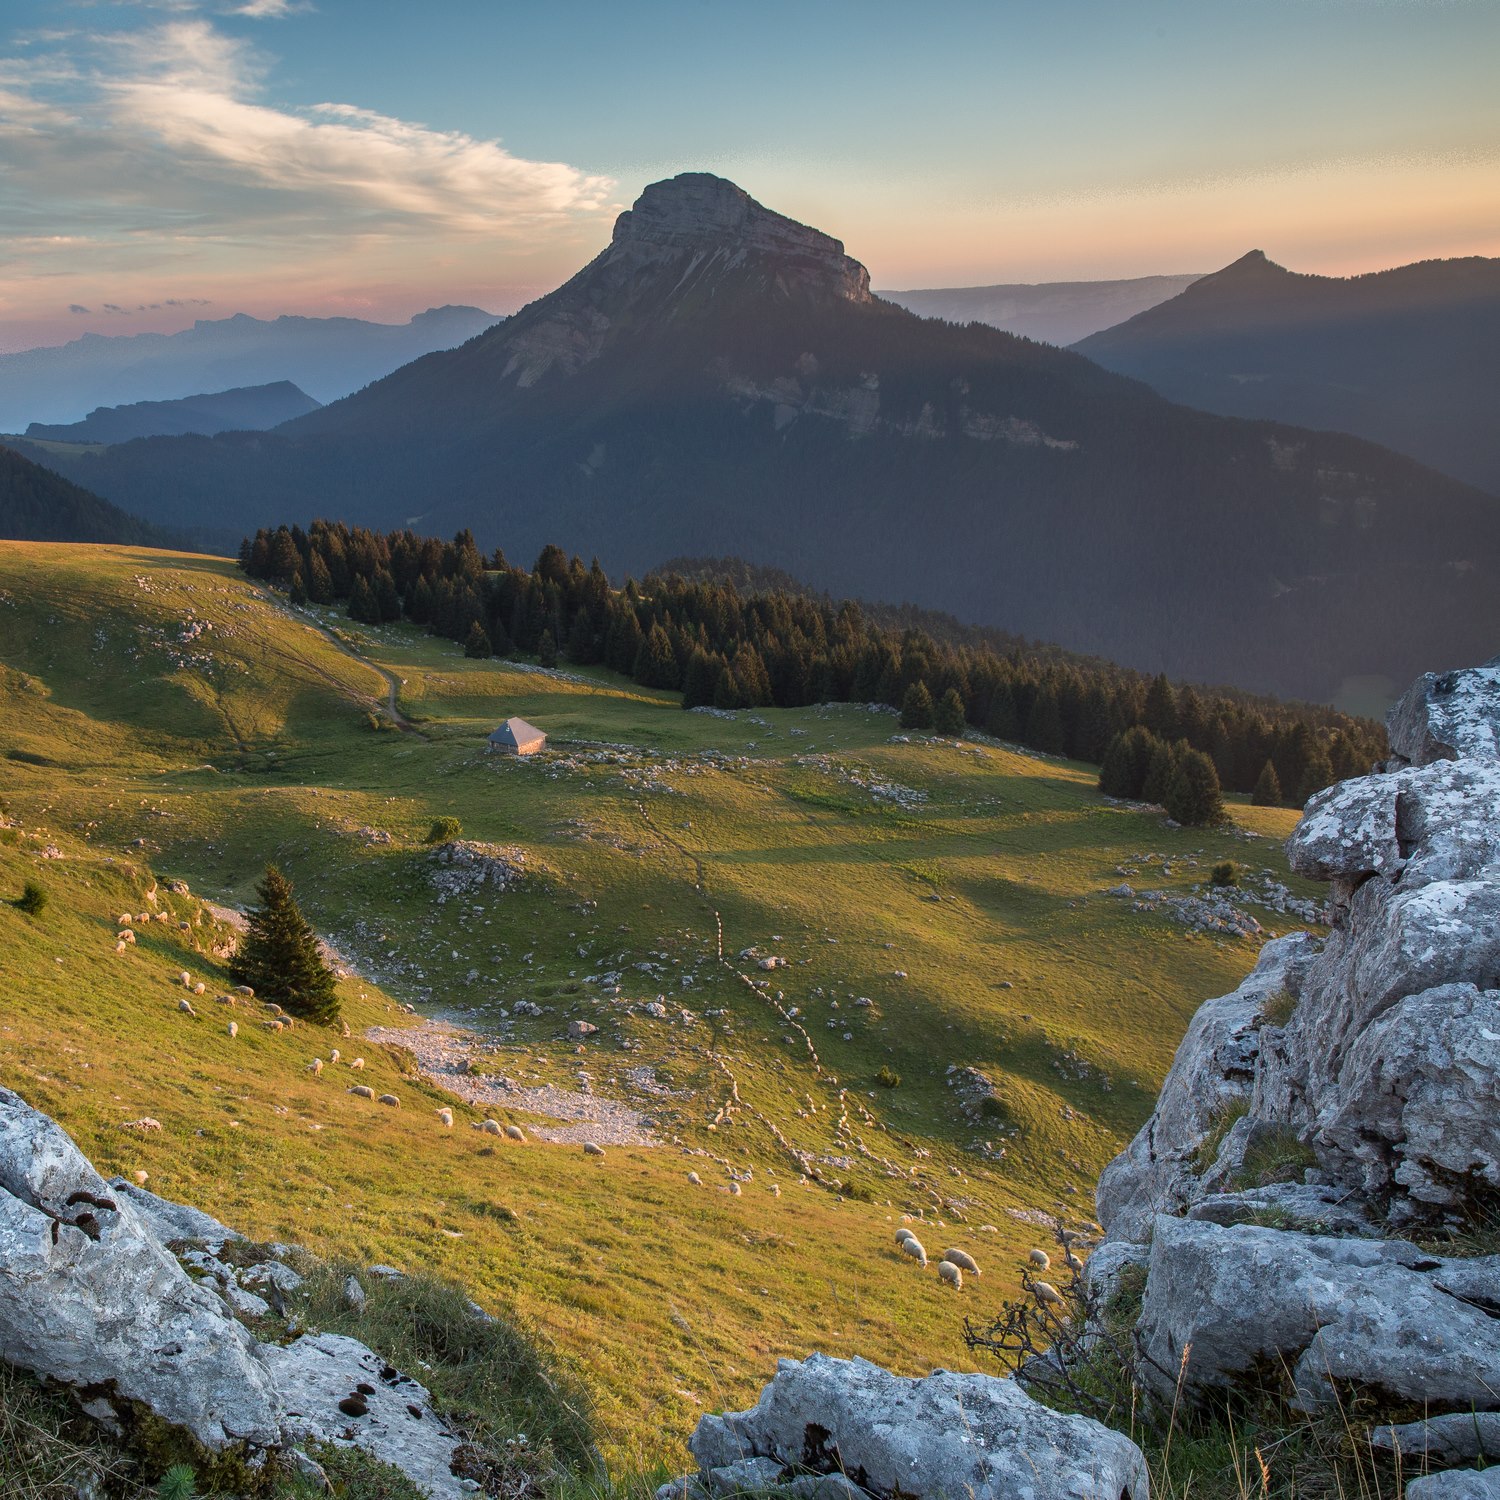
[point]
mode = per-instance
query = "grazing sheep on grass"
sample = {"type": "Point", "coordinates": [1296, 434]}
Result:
{"type": "Point", "coordinates": [1047, 1294]}
{"type": "Point", "coordinates": [234, 1028]}
{"type": "Point", "coordinates": [144, 1123]}
{"type": "Point", "coordinates": [273, 1025]}
{"type": "Point", "coordinates": [186, 1007]}
{"type": "Point", "coordinates": [962, 1259]}
{"type": "Point", "coordinates": [591, 1148]}
{"type": "Point", "coordinates": [245, 990]}
{"type": "Point", "coordinates": [142, 1178]}
{"type": "Point", "coordinates": [362, 1091]}
{"type": "Point", "coordinates": [345, 1032]}
{"type": "Point", "coordinates": [903, 1234]}
{"type": "Point", "coordinates": [775, 1189]}
{"type": "Point", "coordinates": [120, 947]}
{"type": "Point", "coordinates": [445, 1116]}
{"type": "Point", "coordinates": [389, 1099]}
{"type": "Point", "coordinates": [199, 988]}
{"type": "Point", "coordinates": [912, 1246]}
{"type": "Point", "coordinates": [950, 1273]}
{"type": "Point", "coordinates": [185, 980]}
{"type": "Point", "coordinates": [735, 1190]}
{"type": "Point", "coordinates": [489, 1127]}
{"type": "Point", "coordinates": [333, 1056]}
{"type": "Point", "coordinates": [127, 936]}
{"type": "Point", "coordinates": [1040, 1259]}
{"type": "Point", "coordinates": [695, 1179]}
{"type": "Point", "coordinates": [1072, 1262]}
{"type": "Point", "coordinates": [315, 1067]}
{"type": "Point", "coordinates": [357, 1064]}
{"type": "Point", "coordinates": [515, 1132]}
{"type": "Point", "coordinates": [124, 919]}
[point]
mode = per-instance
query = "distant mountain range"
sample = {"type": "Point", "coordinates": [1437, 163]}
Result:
{"type": "Point", "coordinates": [1052, 312]}
{"type": "Point", "coordinates": [326, 357]}
{"type": "Point", "coordinates": [1409, 358]}
{"type": "Point", "coordinates": [251, 408]}
{"type": "Point", "coordinates": [720, 380]}
{"type": "Point", "coordinates": [37, 505]}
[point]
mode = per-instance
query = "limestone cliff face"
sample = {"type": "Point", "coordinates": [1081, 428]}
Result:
{"type": "Point", "coordinates": [1347, 1091]}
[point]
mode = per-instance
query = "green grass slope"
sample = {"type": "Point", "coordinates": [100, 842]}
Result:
{"type": "Point", "coordinates": [162, 719]}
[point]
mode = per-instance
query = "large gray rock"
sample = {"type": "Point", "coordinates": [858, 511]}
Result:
{"type": "Point", "coordinates": [948, 1436]}
{"type": "Point", "coordinates": [1459, 1437]}
{"type": "Point", "coordinates": [1448, 717]}
{"type": "Point", "coordinates": [397, 1425]}
{"type": "Point", "coordinates": [1377, 1314]}
{"type": "Point", "coordinates": [171, 1222]}
{"type": "Point", "coordinates": [1456, 1484]}
{"type": "Point", "coordinates": [89, 1295]}
{"type": "Point", "coordinates": [1213, 1073]}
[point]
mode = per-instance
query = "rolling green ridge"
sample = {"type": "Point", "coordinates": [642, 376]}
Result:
{"type": "Point", "coordinates": [164, 719]}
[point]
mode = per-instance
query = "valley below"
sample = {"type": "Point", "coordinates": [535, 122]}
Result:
{"type": "Point", "coordinates": [801, 977]}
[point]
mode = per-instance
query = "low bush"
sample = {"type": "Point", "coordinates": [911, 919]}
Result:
{"type": "Point", "coordinates": [445, 830]}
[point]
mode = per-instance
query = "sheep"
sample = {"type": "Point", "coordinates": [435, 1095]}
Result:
{"type": "Point", "coordinates": [1040, 1260]}
{"type": "Point", "coordinates": [515, 1132]}
{"type": "Point", "coordinates": [489, 1127]}
{"type": "Point", "coordinates": [234, 1028]}
{"type": "Point", "coordinates": [735, 1190]}
{"type": "Point", "coordinates": [389, 1099]}
{"type": "Point", "coordinates": [315, 1067]}
{"type": "Point", "coordinates": [144, 1123]}
{"type": "Point", "coordinates": [126, 936]}
{"type": "Point", "coordinates": [199, 988]}
{"type": "Point", "coordinates": [592, 1148]}
{"type": "Point", "coordinates": [962, 1259]}
{"type": "Point", "coordinates": [185, 980]}
{"type": "Point", "coordinates": [273, 1025]}
{"type": "Point", "coordinates": [245, 990]}
{"type": "Point", "coordinates": [912, 1246]}
{"type": "Point", "coordinates": [124, 919]}
{"type": "Point", "coordinates": [775, 1189]}
{"type": "Point", "coordinates": [1072, 1262]}
{"type": "Point", "coordinates": [142, 1178]}
{"type": "Point", "coordinates": [345, 1032]}
{"type": "Point", "coordinates": [120, 947]}
{"type": "Point", "coordinates": [695, 1179]}
{"type": "Point", "coordinates": [1047, 1294]}
{"type": "Point", "coordinates": [903, 1234]}
{"type": "Point", "coordinates": [186, 1007]}
{"type": "Point", "coordinates": [445, 1115]}
{"type": "Point", "coordinates": [357, 1064]}
{"type": "Point", "coordinates": [950, 1273]}
{"type": "Point", "coordinates": [333, 1056]}
{"type": "Point", "coordinates": [362, 1091]}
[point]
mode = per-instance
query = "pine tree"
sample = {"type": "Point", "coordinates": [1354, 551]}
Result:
{"type": "Point", "coordinates": [279, 956]}
{"type": "Point", "coordinates": [1159, 774]}
{"type": "Point", "coordinates": [1160, 712]}
{"type": "Point", "coordinates": [362, 606]}
{"type": "Point", "coordinates": [1267, 791]}
{"type": "Point", "coordinates": [296, 590]}
{"type": "Point", "coordinates": [546, 650]}
{"type": "Point", "coordinates": [1193, 797]}
{"type": "Point", "coordinates": [1044, 725]}
{"type": "Point", "coordinates": [916, 707]}
{"type": "Point", "coordinates": [1000, 720]}
{"type": "Point", "coordinates": [1317, 774]}
{"type": "Point", "coordinates": [948, 716]}
{"type": "Point", "coordinates": [477, 642]}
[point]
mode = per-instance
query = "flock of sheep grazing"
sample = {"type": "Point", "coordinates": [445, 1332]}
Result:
{"type": "Point", "coordinates": [951, 1267]}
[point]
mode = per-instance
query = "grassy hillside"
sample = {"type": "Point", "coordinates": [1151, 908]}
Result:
{"type": "Point", "coordinates": [961, 889]}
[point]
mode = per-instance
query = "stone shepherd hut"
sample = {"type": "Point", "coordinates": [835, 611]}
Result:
{"type": "Point", "coordinates": [517, 737]}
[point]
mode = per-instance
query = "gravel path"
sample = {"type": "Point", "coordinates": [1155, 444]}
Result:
{"type": "Point", "coordinates": [441, 1050]}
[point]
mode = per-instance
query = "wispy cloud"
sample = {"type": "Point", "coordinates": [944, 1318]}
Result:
{"type": "Point", "coordinates": [165, 131]}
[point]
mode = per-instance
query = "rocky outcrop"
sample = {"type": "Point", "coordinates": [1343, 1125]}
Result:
{"type": "Point", "coordinates": [91, 1297]}
{"type": "Point", "coordinates": [1346, 1093]}
{"type": "Point", "coordinates": [844, 1429]}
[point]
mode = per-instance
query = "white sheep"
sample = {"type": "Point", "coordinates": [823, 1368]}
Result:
{"type": "Point", "coordinates": [1047, 1294]}
{"type": "Point", "coordinates": [275, 1025]}
{"type": "Point", "coordinates": [389, 1099]}
{"type": "Point", "coordinates": [1040, 1260]}
{"type": "Point", "coordinates": [142, 1178]}
{"type": "Point", "coordinates": [950, 1273]}
{"type": "Point", "coordinates": [199, 988]}
{"type": "Point", "coordinates": [124, 919]}
{"type": "Point", "coordinates": [357, 1064]}
{"type": "Point", "coordinates": [695, 1179]}
{"type": "Point", "coordinates": [345, 1032]}
{"type": "Point", "coordinates": [445, 1115]}
{"type": "Point", "coordinates": [362, 1091]}
{"type": "Point", "coordinates": [245, 990]}
{"type": "Point", "coordinates": [903, 1234]}
{"type": "Point", "coordinates": [489, 1127]}
{"type": "Point", "coordinates": [185, 980]}
{"type": "Point", "coordinates": [1072, 1262]}
{"type": "Point", "coordinates": [120, 947]}
{"type": "Point", "coordinates": [735, 1190]}
{"type": "Point", "coordinates": [962, 1259]}
{"type": "Point", "coordinates": [515, 1132]}
{"type": "Point", "coordinates": [333, 1056]}
{"type": "Point", "coordinates": [912, 1246]}
{"type": "Point", "coordinates": [592, 1148]}
{"type": "Point", "coordinates": [234, 1028]}
{"type": "Point", "coordinates": [144, 1123]}
{"type": "Point", "coordinates": [186, 1006]}
{"type": "Point", "coordinates": [315, 1067]}
{"type": "Point", "coordinates": [127, 936]}
{"type": "Point", "coordinates": [775, 1189]}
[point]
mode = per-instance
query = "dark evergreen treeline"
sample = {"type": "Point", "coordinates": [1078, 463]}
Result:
{"type": "Point", "coordinates": [721, 648]}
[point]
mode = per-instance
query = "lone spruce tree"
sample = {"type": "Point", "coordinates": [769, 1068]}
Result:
{"type": "Point", "coordinates": [279, 959]}
{"type": "Point", "coordinates": [1267, 791]}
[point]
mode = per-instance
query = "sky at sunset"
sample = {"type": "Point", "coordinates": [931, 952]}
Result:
{"type": "Point", "coordinates": [165, 160]}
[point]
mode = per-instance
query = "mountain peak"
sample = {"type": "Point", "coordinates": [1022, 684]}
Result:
{"type": "Point", "coordinates": [1252, 263]}
{"type": "Point", "coordinates": [698, 212]}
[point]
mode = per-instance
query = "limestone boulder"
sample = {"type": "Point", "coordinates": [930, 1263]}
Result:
{"type": "Point", "coordinates": [949, 1436]}
{"type": "Point", "coordinates": [89, 1296]}
{"type": "Point", "coordinates": [1448, 716]}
